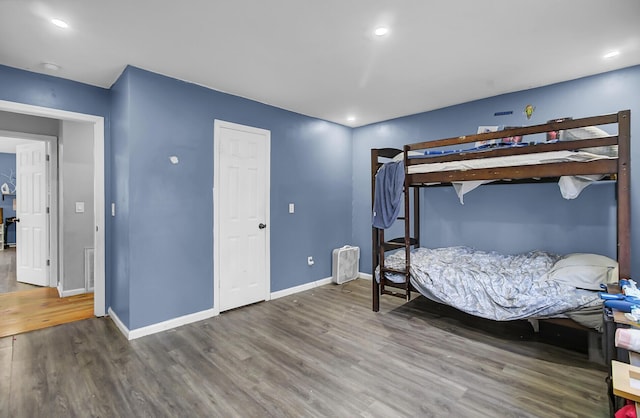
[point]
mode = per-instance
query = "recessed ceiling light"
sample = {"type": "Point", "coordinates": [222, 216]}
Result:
{"type": "Point", "coordinates": [60, 23]}
{"type": "Point", "coordinates": [51, 66]}
{"type": "Point", "coordinates": [611, 54]}
{"type": "Point", "coordinates": [381, 31]}
{"type": "Point", "coordinates": [351, 118]}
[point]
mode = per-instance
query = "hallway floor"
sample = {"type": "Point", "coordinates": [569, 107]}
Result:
{"type": "Point", "coordinates": [24, 307]}
{"type": "Point", "coordinates": [8, 282]}
{"type": "Point", "coordinates": [39, 308]}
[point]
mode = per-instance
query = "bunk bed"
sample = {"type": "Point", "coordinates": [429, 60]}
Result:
{"type": "Point", "coordinates": [457, 161]}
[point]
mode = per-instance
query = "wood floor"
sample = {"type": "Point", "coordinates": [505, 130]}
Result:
{"type": "Point", "coordinates": [39, 308]}
{"type": "Point", "coordinates": [8, 282]}
{"type": "Point", "coordinates": [320, 353]}
{"type": "Point", "coordinates": [24, 307]}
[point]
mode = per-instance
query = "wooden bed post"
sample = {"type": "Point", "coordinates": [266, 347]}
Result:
{"type": "Point", "coordinates": [416, 215]}
{"type": "Point", "coordinates": [407, 226]}
{"type": "Point", "coordinates": [375, 243]}
{"type": "Point", "coordinates": [623, 194]}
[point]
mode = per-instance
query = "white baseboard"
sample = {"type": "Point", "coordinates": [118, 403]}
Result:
{"type": "Point", "coordinates": [301, 288]}
{"type": "Point", "coordinates": [365, 276]}
{"type": "Point", "coordinates": [160, 326]}
{"type": "Point", "coordinates": [72, 292]}
{"type": "Point", "coordinates": [121, 326]}
{"type": "Point", "coordinates": [209, 313]}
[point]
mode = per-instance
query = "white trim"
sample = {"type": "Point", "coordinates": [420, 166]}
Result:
{"type": "Point", "coordinates": [216, 266]}
{"type": "Point", "coordinates": [46, 112]}
{"type": "Point", "coordinates": [300, 288]}
{"type": "Point", "coordinates": [121, 326]}
{"type": "Point", "coordinates": [217, 125]}
{"type": "Point", "coordinates": [160, 326]}
{"type": "Point", "coordinates": [54, 217]}
{"type": "Point", "coordinates": [99, 266]}
{"type": "Point", "coordinates": [365, 276]}
{"type": "Point", "coordinates": [60, 218]}
{"type": "Point", "coordinates": [216, 217]}
{"type": "Point", "coordinates": [99, 192]}
{"type": "Point", "coordinates": [202, 315]}
{"type": "Point", "coordinates": [25, 136]}
{"type": "Point", "coordinates": [72, 292]}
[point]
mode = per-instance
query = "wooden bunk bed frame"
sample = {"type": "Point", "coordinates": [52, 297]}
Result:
{"type": "Point", "coordinates": [617, 169]}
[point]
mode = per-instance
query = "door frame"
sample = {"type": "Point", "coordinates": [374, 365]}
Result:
{"type": "Point", "coordinates": [99, 197]}
{"type": "Point", "coordinates": [217, 126]}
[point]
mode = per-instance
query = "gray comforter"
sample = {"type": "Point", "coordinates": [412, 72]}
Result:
{"type": "Point", "coordinates": [491, 285]}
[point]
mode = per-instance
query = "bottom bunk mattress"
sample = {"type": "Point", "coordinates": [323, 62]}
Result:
{"type": "Point", "coordinates": [509, 287]}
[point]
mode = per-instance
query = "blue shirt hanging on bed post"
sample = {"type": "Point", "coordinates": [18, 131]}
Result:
{"type": "Point", "coordinates": [388, 194]}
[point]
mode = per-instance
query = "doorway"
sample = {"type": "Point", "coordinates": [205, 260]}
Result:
{"type": "Point", "coordinates": [241, 215]}
{"type": "Point", "coordinates": [98, 201]}
{"type": "Point", "coordinates": [28, 178]}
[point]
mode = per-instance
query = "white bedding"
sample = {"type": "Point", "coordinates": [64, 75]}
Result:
{"type": "Point", "coordinates": [503, 287]}
{"type": "Point", "coordinates": [570, 186]}
{"type": "Point", "coordinates": [512, 160]}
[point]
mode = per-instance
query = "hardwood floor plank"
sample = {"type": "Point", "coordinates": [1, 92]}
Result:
{"type": "Point", "coordinates": [41, 308]}
{"type": "Point", "coordinates": [6, 353]}
{"type": "Point", "coordinates": [8, 282]}
{"type": "Point", "coordinates": [314, 354]}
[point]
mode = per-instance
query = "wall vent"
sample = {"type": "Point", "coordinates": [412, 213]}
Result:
{"type": "Point", "coordinates": [88, 269]}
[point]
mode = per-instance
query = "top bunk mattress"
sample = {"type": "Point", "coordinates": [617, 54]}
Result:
{"type": "Point", "coordinates": [508, 161]}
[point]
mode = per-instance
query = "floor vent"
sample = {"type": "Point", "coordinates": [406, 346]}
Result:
{"type": "Point", "coordinates": [345, 264]}
{"type": "Point", "coordinates": [88, 269]}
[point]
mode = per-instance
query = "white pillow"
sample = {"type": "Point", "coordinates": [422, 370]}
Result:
{"type": "Point", "coordinates": [584, 271]}
{"type": "Point", "coordinates": [589, 132]}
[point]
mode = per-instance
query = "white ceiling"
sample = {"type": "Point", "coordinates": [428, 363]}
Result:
{"type": "Point", "coordinates": [320, 58]}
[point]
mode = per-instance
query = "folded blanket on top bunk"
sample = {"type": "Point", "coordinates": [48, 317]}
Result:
{"type": "Point", "coordinates": [508, 287]}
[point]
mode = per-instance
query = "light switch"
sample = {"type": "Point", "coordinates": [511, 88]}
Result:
{"type": "Point", "coordinates": [79, 207]}
{"type": "Point", "coordinates": [113, 209]}
{"type": "Point", "coordinates": [292, 208]}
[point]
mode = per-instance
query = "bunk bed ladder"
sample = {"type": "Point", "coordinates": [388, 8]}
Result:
{"type": "Point", "coordinates": [381, 246]}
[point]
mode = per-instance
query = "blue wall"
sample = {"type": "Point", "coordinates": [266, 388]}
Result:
{"type": "Point", "coordinates": [162, 209]}
{"type": "Point", "coordinates": [508, 218]}
{"type": "Point", "coordinates": [169, 208]}
{"type": "Point", "coordinates": [41, 90]}
{"type": "Point", "coordinates": [321, 167]}
{"type": "Point", "coordinates": [8, 166]}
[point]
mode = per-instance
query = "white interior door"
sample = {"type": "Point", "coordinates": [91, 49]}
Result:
{"type": "Point", "coordinates": [242, 226]}
{"type": "Point", "coordinates": [31, 205]}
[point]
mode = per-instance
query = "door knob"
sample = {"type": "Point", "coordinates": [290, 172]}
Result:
{"type": "Point", "coordinates": [262, 226]}
{"type": "Point", "coordinates": [16, 220]}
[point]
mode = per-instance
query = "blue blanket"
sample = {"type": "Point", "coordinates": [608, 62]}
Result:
{"type": "Point", "coordinates": [388, 194]}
